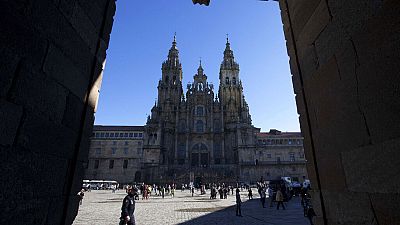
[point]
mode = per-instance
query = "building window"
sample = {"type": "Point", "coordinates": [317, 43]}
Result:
{"type": "Point", "coordinates": [200, 111]}
{"type": "Point", "coordinates": [102, 135]}
{"type": "Point", "coordinates": [111, 134]}
{"type": "Point", "coordinates": [139, 143]}
{"type": "Point", "coordinates": [116, 134]}
{"type": "Point", "coordinates": [290, 141]}
{"type": "Point", "coordinates": [98, 151]}
{"type": "Point", "coordinates": [107, 135]}
{"type": "Point", "coordinates": [199, 126]}
{"type": "Point", "coordinates": [234, 80]}
{"type": "Point", "coordinates": [182, 151]}
{"type": "Point", "coordinates": [125, 164]}
{"type": "Point", "coordinates": [140, 135]}
{"type": "Point", "coordinates": [278, 160]}
{"type": "Point", "coordinates": [291, 156]}
{"type": "Point", "coordinates": [97, 135]}
{"type": "Point", "coordinates": [268, 156]}
{"type": "Point", "coordinates": [111, 165]}
{"type": "Point", "coordinates": [126, 150]}
{"type": "Point", "coordinates": [130, 135]}
{"type": "Point", "coordinates": [113, 150]}
{"type": "Point", "coordinates": [126, 135]}
{"type": "Point", "coordinates": [135, 135]}
{"type": "Point", "coordinates": [226, 80]}
{"type": "Point", "coordinates": [121, 135]}
{"type": "Point", "coordinates": [96, 164]}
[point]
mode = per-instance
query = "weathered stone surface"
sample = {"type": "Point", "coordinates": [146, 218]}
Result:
{"type": "Point", "coordinates": [369, 168]}
{"type": "Point", "coordinates": [385, 207]}
{"type": "Point", "coordinates": [47, 138]}
{"type": "Point", "coordinates": [60, 67]}
{"type": "Point", "coordinates": [38, 94]}
{"type": "Point", "coordinates": [348, 208]}
{"type": "Point", "coordinates": [10, 117]}
{"type": "Point", "coordinates": [300, 12]}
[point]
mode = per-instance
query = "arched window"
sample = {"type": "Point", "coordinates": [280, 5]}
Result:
{"type": "Point", "coordinates": [200, 111]}
{"type": "Point", "coordinates": [226, 80]}
{"type": "Point", "coordinates": [234, 80]}
{"type": "Point", "coordinates": [166, 79]}
{"type": "Point", "coordinates": [200, 126]}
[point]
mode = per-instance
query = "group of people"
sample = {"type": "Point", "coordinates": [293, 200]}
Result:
{"type": "Point", "coordinates": [222, 190]}
{"type": "Point", "coordinates": [273, 195]}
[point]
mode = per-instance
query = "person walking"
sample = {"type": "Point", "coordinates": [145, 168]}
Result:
{"type": "Point", "coordinates": [238, 203]}
{"type": "Point", "coordinates": [250, 194]}
{"type": "Point", "coordinates": [270, 196]}
{"type": "Point", "coordinates": [279, 199]}
{"type": "Point", "coordinates": [262, 196]}
{"type": "Point", "coordinates": [128, 208]}
{"type": "Point", "coordinates": [81, 194]}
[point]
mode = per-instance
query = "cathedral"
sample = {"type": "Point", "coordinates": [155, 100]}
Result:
{"type": "Point", "coordinates": [200, 135]}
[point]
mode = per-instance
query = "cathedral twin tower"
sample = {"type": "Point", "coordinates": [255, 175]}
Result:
{"type": "Point", "coordinates": [201, 136]}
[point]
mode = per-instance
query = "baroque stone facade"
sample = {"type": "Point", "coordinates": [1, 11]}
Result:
{"type": "Point", "coordinates": [115, 153]}
{"type": "Point", "coordinates": [199, 136]}
{"type": "Point", "coordinates": [278, 154]}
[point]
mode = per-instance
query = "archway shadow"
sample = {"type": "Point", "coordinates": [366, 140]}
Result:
{"type": "Point", "coordinates": [253, 213]}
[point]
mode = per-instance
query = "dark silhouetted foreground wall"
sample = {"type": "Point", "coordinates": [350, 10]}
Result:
{"type": "Point", "coordinates": [345, 61]}
{"type": "Point", "coordinates": [51, 62]}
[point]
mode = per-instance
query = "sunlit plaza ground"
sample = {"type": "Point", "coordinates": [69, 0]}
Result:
{"type": "Point", "coordinates": [104, 207]}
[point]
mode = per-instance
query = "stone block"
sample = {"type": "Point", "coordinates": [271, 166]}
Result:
{"type": "Point", "coordinates": [38, 95]}
{"type": "Point", "coordinates": [385, 207]}
{"type": "Point", "coordinates": [330, 41]}
{"type": "Point", "coordinates": [55, 27]}
{"type": "Point", "coordinates": [94, 10]}
{"type": "Point", "coordinates": [378, 70]}
{"type": "Point", "coordinates": [309, 63]}
{"type": "Point", "coordinates": [300, 13]}
{"type": "Point", "coordinates": [72, 117]}
{"type": "Point", "coordinates": [46, 137]}
{"type": "Point", "coordinates": [314, 26]}
{"type": "Point", "coordinates": [8, 67]}
{"type": "Point", "coordinates": [85, 28]}
{"type": "Point", "coordinates": [369, 168]}
{"type": "Point", "coordinates": [19, 40]}
{"type": "Point", "coordinates": [62, 69]}
{"type": "Point", "coordinates": [348, 208]}
{"type": "Point", "coordinates": [354, 15]}
{"type": "Point", "coordinates": [10, 119]}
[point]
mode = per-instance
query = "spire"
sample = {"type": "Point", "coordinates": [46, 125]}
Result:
{"type": "Point", "coordinates": [174, 42]}
{"type": "Point", "coordinates": [200, 69]}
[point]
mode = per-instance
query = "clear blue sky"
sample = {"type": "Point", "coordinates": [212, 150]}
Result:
{"type": "Point", "coordinates": [142, 35]}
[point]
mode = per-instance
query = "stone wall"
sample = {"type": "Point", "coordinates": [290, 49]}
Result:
{"type": "Point", "coordinates": [344, 57]}
{"type": "Point", "coordinates": [52, 57]}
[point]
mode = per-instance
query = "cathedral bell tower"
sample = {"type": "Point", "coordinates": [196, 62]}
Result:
{"type": "Point", "coordinates": [170, 86]}
{"type": "Point", "coordinates": [231, 89]}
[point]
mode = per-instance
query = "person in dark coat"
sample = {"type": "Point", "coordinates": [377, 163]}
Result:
{"type": "Point", "coordinates": [128, 208]}
{"type": "Point", "coordinates": [238, 203]}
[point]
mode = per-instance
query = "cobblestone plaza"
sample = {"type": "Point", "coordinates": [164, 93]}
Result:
{"type": "Point", "coordinates": [104, 207]}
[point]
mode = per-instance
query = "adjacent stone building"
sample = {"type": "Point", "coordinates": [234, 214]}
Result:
{"type": "Point", "coordinates": [116, 153]}
{"type": "Point", "coordinates": [277, 154]}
